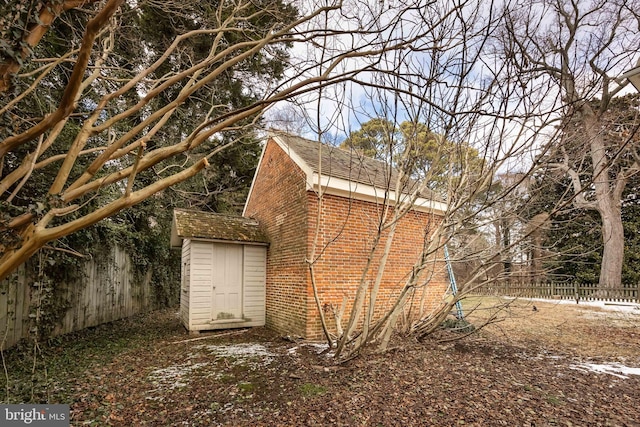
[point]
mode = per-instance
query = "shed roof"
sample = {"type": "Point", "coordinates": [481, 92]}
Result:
{"type": "Point", "coordinates": [192, 224]}
{"type": "Point", "coordinates": [349, 165]}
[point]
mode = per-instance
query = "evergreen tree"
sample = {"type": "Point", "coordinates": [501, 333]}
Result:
{"type": "Point", "coordinates": [144, 34]}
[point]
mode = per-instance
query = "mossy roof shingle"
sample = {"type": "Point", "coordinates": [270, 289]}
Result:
{"type": "Point", "coordinates": [191, 224]}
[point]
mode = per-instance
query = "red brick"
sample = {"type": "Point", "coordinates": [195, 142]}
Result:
{"type": "Point", "coordinates": [280, 201]}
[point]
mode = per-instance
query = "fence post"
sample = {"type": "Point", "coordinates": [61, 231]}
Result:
{"type": "Point", "coordinates": [576, 291]}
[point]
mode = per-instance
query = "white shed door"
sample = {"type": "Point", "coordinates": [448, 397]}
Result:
{"type": "Point", "coordinates": [227, 282]}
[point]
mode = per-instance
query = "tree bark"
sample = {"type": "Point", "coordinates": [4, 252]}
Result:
{"type": "Point", "coordinates": [46, 16]}
{"type": "Point", "coordinates": [66, 106]}
{"type": "Point", "coordinates": [612, 245]}
{"type": "Point", "coordinates": [608, 192]}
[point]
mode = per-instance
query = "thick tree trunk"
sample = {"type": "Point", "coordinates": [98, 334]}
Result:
{"type": "Point", "coordinates": [613, 248]}
{"type": "Point", "coordinates": [537, 227]}
{"type": "Point", "coordinates": [608, 192]}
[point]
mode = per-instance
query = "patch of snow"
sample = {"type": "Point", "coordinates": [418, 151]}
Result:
{"type": "Point", "coordinates": [544, 355]}
{"type": "Point", "coordinates": [173, 377]}
{"type": "Point", "coordinates": [241, 353]}
{"type": "Point", "coordinates": [319, 348]}
{"type": "Point", "coordinates": [619, 316]}
{"type": "Point", "coordinates": [614, 369]}
{"type": "Point", "coordinates": [238, 350]}
{"type": "Point", "coordinates": [605, 305]}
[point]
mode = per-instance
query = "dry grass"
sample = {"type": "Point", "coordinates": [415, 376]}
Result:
{"type": "Point", "coordinates": [577, 329]}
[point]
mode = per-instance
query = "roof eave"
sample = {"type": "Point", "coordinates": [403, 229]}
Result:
{"type": "Point", "coordinates": [253, 181]}
{"type": "Point", "coordinates": [175, 241]}
{"type": "Point", "coordinates": [308, 171]}
{"type": "Point", "coordinates": [234, 242]}
{"type": "Point", "coordinates": [369, 193]}
{"type": "Point", "coordinates": [179, 233]}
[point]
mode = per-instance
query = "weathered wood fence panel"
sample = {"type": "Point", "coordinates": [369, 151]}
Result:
{"type": "Point", "coordinates": [107, 290]}
{"type": "Point", "coordinates": [14, 308]}
{"type": "Point", "coordinates": [576, 291]}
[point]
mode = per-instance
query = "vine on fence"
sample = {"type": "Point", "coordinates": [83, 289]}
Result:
{"type": "Point", "coordinates": [58, 272]}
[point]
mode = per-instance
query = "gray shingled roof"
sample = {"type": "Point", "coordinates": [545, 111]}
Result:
{"type": "Point", "coordinates": [346, 164]}
{"type": "Point", "coordinates": [192, 224]}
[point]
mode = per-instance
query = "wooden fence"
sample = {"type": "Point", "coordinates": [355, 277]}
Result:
{"type": "Point", "coordinates": [106, 290]}
{"type": "Point", "coordinates": [575, 291]}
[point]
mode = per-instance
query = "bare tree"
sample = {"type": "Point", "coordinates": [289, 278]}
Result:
{"type": "Point", "coordinates": [103, 132]}
{"type": "Point", "coordinates": [448, 87]}
{"type": "Point", "coordinates": [420, 62]}
{"type": "Point", "coordinates": [566, 56]}
{"type": "Point", "coordinates": [26, 22]}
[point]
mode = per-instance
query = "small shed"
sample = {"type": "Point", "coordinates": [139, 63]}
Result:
{"type": "Point", "coordinates": [223, 270]}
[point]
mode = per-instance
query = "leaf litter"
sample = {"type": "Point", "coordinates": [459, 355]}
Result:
{"type": "Point", "coordinates": [520, 371]}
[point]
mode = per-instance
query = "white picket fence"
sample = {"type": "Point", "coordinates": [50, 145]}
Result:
{"type": "Point", "coordinates": [578, 291]}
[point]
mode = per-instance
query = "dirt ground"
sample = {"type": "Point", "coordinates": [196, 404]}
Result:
{"type": "Point", "coordinates": [533, 367]}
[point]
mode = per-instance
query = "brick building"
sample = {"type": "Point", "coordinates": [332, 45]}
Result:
{"type": "Point", "coordinates": [231, 278]}
{"type": "Point", "coordinates": [284, 198]}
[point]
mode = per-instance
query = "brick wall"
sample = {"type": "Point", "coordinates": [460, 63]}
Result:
{"type": "Point", "coordinates": [278, 200]}
{"type": "Point", "coordinates": [346, 235]}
